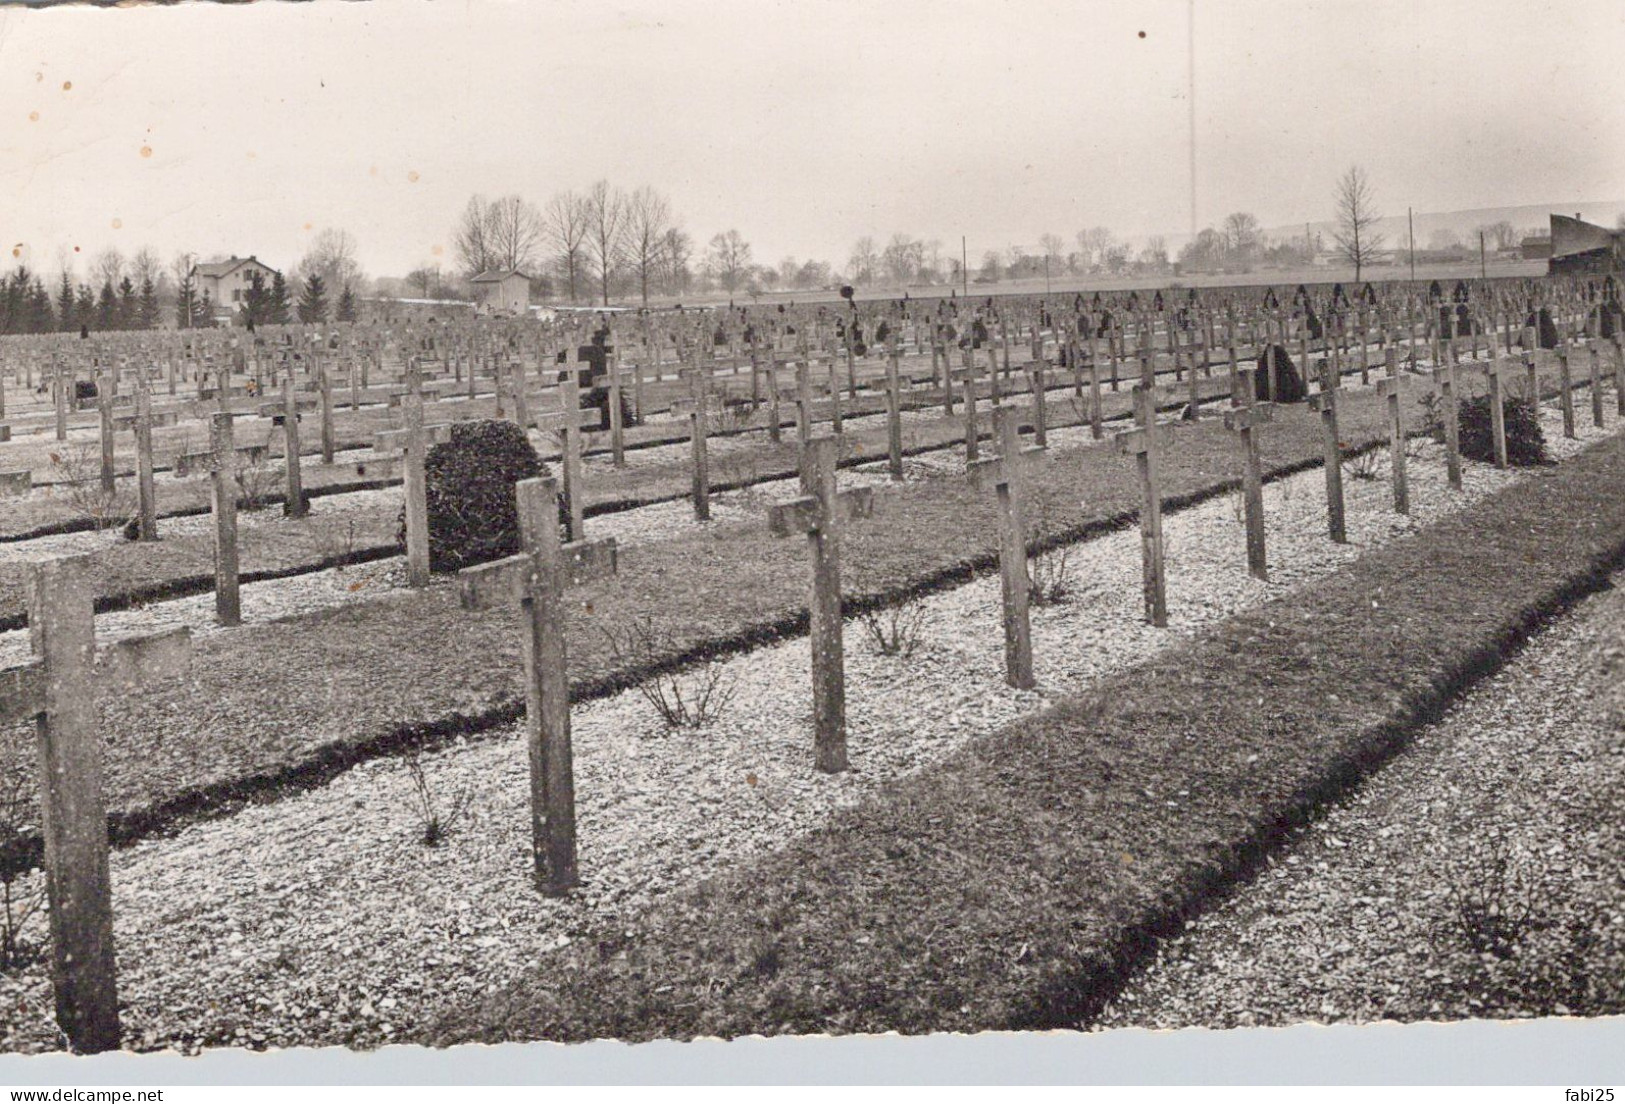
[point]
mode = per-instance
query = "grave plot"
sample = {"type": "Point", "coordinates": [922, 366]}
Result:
{"type": "Point", "coordinates": [1089, 828]}
{"type": "Point", "coordinates": [1471, 878]}
{"type": "Point", "coordinates": [266, 702]}
{"type": "Point", "coordinates": [817, 519]}
{"type": "Point", "coordinates": [178, 566]}
{"type": "Point", "coordinates": [292, 929]}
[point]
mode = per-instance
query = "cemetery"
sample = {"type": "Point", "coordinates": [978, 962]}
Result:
{"type": "Point", "coordinates": [662, 675]}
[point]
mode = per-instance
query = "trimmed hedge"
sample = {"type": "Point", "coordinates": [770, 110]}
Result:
{"type": "Point", "coordinates": [469, 485]}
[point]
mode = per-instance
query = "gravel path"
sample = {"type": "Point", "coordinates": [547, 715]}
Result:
{"type": "Point", "coordinates": [1513, 805]}
{"type": "Point", "coordinates": [322, 919]}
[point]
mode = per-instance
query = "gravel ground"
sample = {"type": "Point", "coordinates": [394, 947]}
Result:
{"type": "Point", "coordinates": [311, 591]}
{"type": "Point", "coordinates": [321, 918]}
{"type": "Point", "coordinates": [1480, 874]}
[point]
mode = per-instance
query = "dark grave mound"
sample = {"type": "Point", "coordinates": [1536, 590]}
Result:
{"type": "Point", "coordinates": [1288, 381]}
{"type": "Point", "coordinates": [1545, 329]}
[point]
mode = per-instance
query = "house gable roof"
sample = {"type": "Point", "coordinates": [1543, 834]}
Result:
{"type": "Point", "coordinates": [497, 275]}
{"type": "Point", "coordinates": [226, 268]}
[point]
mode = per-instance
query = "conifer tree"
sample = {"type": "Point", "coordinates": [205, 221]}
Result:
{"type": "Point", "coordinates": [147, 305]}
{"type": "Point", "coordinates": [64, 304]}
{"type": "Point", "coordinates": [256, 300]}
{"type": "Point", "coordinates": [107, 309]}
{"type": "Point", "coordinates": [40, 319]}
{"type": "Point", "coordinates": [313, 300]}
{"type": "Point", "coordinates": [14, 302]}
{"type": "Point", "coordinates": [281, 309]}
{"type": "Point", "coordinates": [205, 312]}
{"type": "Point", "coordinates": [129, 306]}
{"type": "Point", "coordinates": [346, 305]}
{"type": "Point", "coordinates": [186, 303]}
{"type": "Point", "coordinates": [84, 310]}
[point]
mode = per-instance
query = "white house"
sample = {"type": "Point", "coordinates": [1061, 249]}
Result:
{"type": "Point", "coordinates": [227, 281]}
{"type": "Point", "coordinates": [506, 291]}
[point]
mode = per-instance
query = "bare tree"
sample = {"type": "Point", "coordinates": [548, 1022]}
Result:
{"type": "Point", "coordinates": [108, 267]}
{"type": "Point", "coordinates": [606, 231]}
{"type": "Point", "coordinates": [1155, 254]}
{"type": "Point", "coordinates": [1242, 239]}
{"type": "Point", "coordinates": [675, 255]}
{"type": "Point", "coordinates": [865, 261]}
{"type": "Point", "coordinates": [145, 266]}
{"type": "Point", "coordinates": [648, 217]}
{"type": "Point", "coordinates": [729, 259]}
{"type": "Point", "coordinates": [1356, 235]}
{"type": "Point", "coordinates": [1054, 247]}
{"type": "Point", "coordinates": [514, 232]}
{"type": "Point", "coordinates": [332, 256]}
{"type": "Point", "coordinates": [903, 258]}
{"type": "Point", "coordinates": [1501, 234]}
{"type": "Point", "coordinates": [470, 240]}
{"type": "Point", "coordinates": [565, 222]}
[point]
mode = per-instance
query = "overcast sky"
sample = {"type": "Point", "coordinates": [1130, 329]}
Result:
{"type": "Point", "coordinates": [804, 125]}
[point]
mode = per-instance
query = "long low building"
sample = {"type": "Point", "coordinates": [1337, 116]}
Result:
{"type": "Point", "coordinates": [1582, 248]}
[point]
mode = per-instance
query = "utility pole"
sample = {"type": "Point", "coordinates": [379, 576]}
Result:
{"type": "Point", "coordinates": [1410, 221]}
{"type": "Point", "coordinates": [1190, 11]}
{"type": "Point", "coordinates": [964, 265]}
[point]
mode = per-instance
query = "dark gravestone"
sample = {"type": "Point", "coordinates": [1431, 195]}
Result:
{"type": "Point", "coordinates": [1610, 320]}
{"type": "Point", "coordinates": [1545, 328]}
{"type": "Point", "coordinates": [1289, 383]}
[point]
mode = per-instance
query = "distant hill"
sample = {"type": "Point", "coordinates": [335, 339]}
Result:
{"type": "Point", "coordinates": [1466, 223]}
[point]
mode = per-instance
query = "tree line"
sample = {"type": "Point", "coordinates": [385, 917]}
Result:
{"type": "Point", "coordinates": [141, 293]}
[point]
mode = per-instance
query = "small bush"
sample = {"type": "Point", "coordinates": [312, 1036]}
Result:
{"type": "Point", "coordinates": [1363, 465]}
{"type": "Point", "coordinates": [80, 465]}
{"type": "Point", "coordinates": [21, 898]}
{"type": "Point", "coordinates": [895, 630]}
{"type": "Point", "coordinates": [684, 700]}
{"type": "Point", "coordinates": [1492, 903]}
{"type": "Point", "coordinates": [1050, 577]}
{"type": "Point", "coordinates": [1526, 444]}
{"type": "Point", "coordinates": [435, 819]}
{"type": "Point", "coordinates": [469, 485]}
